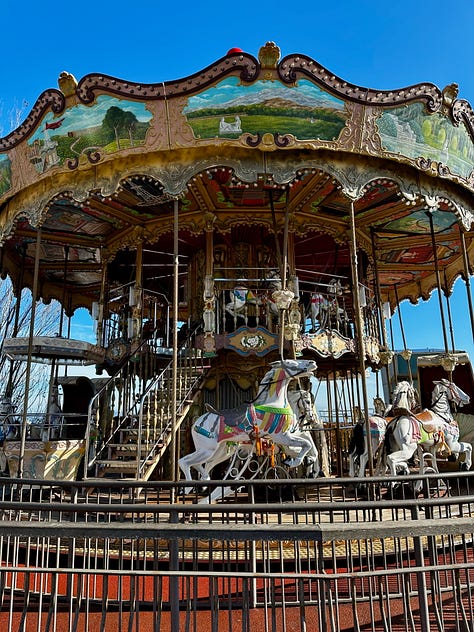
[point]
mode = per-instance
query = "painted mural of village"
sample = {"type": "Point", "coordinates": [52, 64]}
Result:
{"type": "Point", "coordinates": [108, 126]}
{"type": "Point", "coordinates": [230, 109]}
{"type": "Point", "coordinates": [410, 131]}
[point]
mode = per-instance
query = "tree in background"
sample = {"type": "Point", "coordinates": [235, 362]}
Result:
{"type": "Point", "coordinates": [15, 322]}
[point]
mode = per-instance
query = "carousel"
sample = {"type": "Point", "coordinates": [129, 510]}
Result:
{"type": "Point", "coordinates": [240, 237]}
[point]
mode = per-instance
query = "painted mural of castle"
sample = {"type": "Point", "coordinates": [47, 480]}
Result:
{"type": "Point", "coordinates": [230, 109]}
{"type": "Point", "coordinates": [108, 126]}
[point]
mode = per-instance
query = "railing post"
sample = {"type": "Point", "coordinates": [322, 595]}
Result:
{"type": "Point", "coordinates": [421, 583]}
{"type": "Point", "coordinates": [174, 579]}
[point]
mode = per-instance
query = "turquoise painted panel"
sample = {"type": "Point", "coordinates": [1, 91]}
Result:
{"type": "Point", "coordinates": [230, 109]}
{"type": "Point", "coordinates": [413, 133]}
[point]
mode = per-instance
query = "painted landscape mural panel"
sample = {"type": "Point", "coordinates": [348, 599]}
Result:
{"type": "Point", "coordinates": [5, 174]}
{"type": "Point", "coordinates": [230, 109]}
{"type": "Point", "coordinates": [108, 126]}
{"type": "Point", "coordinates": [412, 132]}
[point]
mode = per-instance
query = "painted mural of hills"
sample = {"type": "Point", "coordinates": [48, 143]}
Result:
{"type": "Point", "coordinates": [226, 96]}
{"type": "Point", "coordinates": [230, 109]}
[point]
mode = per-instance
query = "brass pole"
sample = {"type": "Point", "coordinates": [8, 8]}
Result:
{"type": "Point", "coordinates": [102, 312]}
{"type": "Point", "coordinates": [380, 311]}
{"type": "Point", "coordinates": [378, 294]}
{"type": "Point", "coordinates": [438, 281]}
{"type": "Point", "coordinates": [284, 264]}
{"type": "Point", "coordinates": [174, 447]}
{"type": "Point", "coordinates": [402, 330]}
{"type": "Point", "coordinates": [467, 278]}
{"type": "Point", "coordinates": [34, 293]}
{"type": "Point", "coordinates": [448, 309]}
{"type": "Point", "coordinates": [359, 329]}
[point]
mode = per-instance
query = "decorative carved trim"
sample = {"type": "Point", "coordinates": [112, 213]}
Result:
{"type": "Point", "coordinates": [268, 142]}
{"type": "Point", "coordinates": [52, 99]}
{"type": "Point", "coordinates": [463, 112]}
{"type": "Point", "coordinates": [91, 84]}
{"type": "Point", "coordinates": [328, 343]}
{"type": "Point", "coordinates": [292, 67]}
{"type": "Point", "coordinates": [252, 341]}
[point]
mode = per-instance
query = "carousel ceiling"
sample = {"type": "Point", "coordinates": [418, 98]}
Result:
{"type": "Point", "coordinates": [246, 147]}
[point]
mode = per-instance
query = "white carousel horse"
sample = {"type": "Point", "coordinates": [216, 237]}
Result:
{"type": "Point", "coordinates": [269, 415]}
{"type": "Point", "coordinates": [302, 405]}
{"type": "Point", "coordinates": [325, 310]}
{"type": "Point", "coordinates": [435, 429]}
{"type": "Point", "coordinates": [240, 297]}
{"type": "Point", "coordinates": [358, 446]}
{"type": "Point", "coordinates": [274, 283]}
{"type": "Point", "coordinates": [54, 418]}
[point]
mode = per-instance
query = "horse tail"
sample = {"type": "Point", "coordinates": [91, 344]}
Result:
{"type": "Point", "coordinates": [385, 448]}
{"type": "Point", "coordinates": [387, 441]}
{"type": "Point", "coordinates": [357, 442]}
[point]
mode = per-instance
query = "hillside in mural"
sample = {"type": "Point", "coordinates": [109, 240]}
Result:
{"type": "Point", "coordinates": [412, 132]}
{"type": "Point", "coordinates": [230, 109]}
{"type": "Point", "coordinates": [108, 126]}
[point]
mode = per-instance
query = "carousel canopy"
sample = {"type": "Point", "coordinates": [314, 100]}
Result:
{"type": "Point", "coordinates": [243, 146]}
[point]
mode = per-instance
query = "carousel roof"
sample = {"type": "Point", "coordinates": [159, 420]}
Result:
{"type": "Point", "coordinates": [243, 145]}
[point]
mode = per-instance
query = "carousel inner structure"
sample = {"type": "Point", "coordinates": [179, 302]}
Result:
{"type": "Point", "coordinates": [241, 240]}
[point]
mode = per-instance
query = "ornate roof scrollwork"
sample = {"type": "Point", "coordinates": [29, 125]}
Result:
{"type": "Point", "coordinates": [91, 84]}
{"type": "Point", "coordinates": [463, 112]}
{"type": "Point", "coordinates": [292, 66]}
{"type": "Point", "coordinates": [52, 99]}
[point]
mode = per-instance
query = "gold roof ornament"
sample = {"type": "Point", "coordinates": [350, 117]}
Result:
{"type": "Point", "coordinates": [269, 56]}
{"type": "Point", "coordinates": [450, 94]}
{"type": "Point", "coordinates": [67, 83]}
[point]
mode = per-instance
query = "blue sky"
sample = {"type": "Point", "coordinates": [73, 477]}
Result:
{"type": "Point", "coordinates": [375, 44]}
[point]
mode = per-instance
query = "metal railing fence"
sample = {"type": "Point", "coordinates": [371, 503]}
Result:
{"type": "Point", "coordinates": [280, 555]}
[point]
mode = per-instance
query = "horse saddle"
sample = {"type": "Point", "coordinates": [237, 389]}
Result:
{"type": "Point", "coordinates": [426, 419]}
{"type": "Point", "coordinates": [233, 416]}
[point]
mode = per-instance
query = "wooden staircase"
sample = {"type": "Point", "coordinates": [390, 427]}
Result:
{"type": "Point", "coordinates": [137, 440]}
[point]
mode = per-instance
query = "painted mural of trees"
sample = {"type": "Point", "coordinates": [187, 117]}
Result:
{"type": "Point", "coordinates": [5, 174]}
{"type": "Point", "coordinates": [119, 123]}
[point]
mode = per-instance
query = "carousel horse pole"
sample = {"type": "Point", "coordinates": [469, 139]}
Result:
{"type": "Point", "coordinates": [270, 415]}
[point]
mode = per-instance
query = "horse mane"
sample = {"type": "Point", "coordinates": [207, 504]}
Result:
{"type": "Point", "coordinates": [404, 398]}
{"type": "Point", "coordinates": [444, 386]}
{"type": "Point", "coordinates": [271, 377]}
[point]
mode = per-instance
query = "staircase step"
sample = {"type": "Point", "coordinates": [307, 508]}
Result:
{"type": "Point", "coordinates": [131, 447]}
{"type": "Point", "coordinates": [117, 466]}
{"type": "Point", "coordinates": [121, 458]}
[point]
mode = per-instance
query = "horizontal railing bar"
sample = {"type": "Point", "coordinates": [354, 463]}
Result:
{"type": "Point", "coordinates": [320, 532]}
{"type": "Point", "coordinates": [314, 483]}
{"type": "Point", "coordinates": [242, 508]}
{"type": "Point", "coordinates": [238, 574]}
